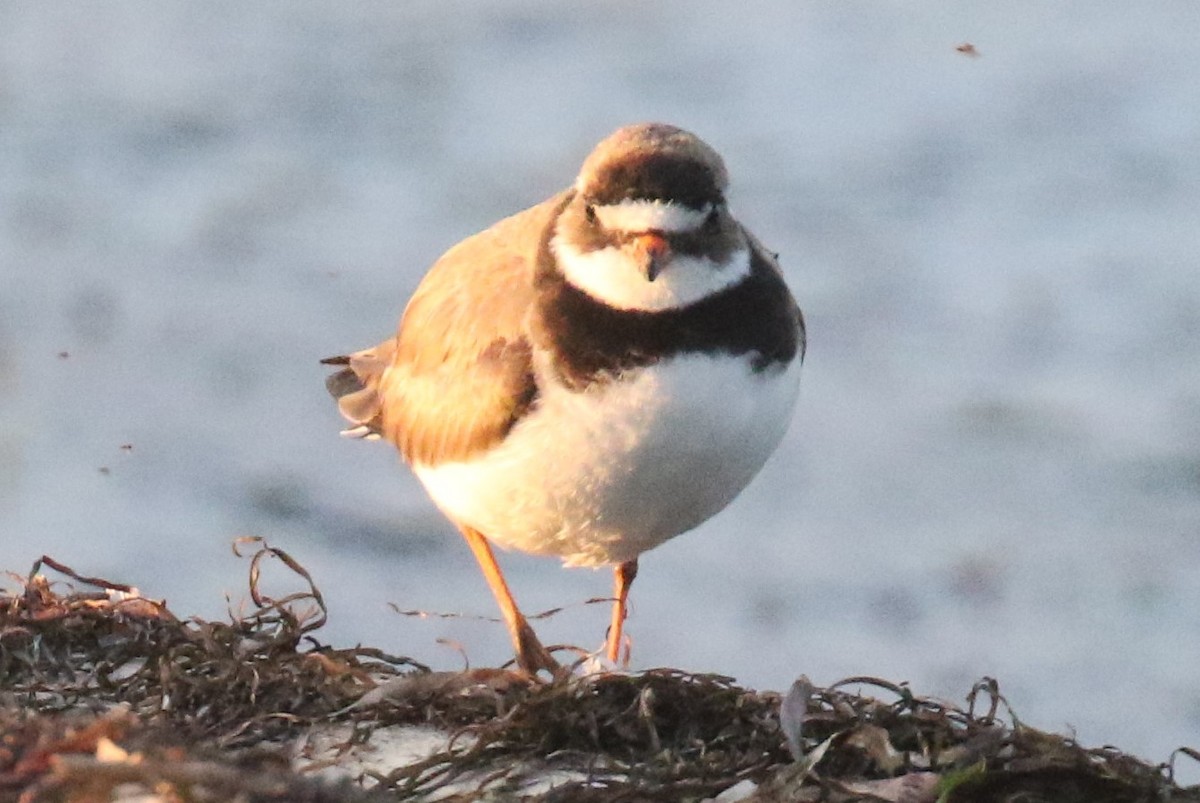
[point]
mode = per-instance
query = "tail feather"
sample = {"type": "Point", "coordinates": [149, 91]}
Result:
{"type": "Point", "coordinates": [356, 389]}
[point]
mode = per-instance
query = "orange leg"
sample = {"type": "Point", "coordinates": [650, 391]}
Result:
{"type": "Point", "coordinates": [531, 655]}
{"type": "Point", "coordinates": [622, 579]}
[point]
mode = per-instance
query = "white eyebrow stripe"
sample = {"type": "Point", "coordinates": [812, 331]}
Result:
{"type": "Point", "coordinates": [634, 215]}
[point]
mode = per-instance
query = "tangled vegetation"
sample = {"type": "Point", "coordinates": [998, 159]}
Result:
{"type": "Point", "coordinates": [104, 693]}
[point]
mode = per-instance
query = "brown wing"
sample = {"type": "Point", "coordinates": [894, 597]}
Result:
{"type": "Point", "coordinates": [459, 373]}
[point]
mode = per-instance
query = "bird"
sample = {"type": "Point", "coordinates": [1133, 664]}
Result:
{"type": "Point", "coordinates": [592, 376]}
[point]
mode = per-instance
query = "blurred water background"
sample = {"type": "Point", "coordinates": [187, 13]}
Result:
{"type": "Point", "coordinates": [995, 468]}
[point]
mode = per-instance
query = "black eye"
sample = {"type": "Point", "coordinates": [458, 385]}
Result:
{"type": "Point", "coordinates": [590, 212]}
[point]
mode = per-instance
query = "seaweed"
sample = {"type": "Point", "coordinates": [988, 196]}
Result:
{"type": "Point", "coordinates": [103, 690]}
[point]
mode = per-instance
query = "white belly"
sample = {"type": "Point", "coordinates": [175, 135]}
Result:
{"type": "Point", "coordinates": [602, 475]}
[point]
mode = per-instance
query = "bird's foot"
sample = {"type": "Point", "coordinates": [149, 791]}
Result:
{"type": "Point", "coordinates": [532, 657]}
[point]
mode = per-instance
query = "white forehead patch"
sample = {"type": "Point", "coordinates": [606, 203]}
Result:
{"type": "Point", "coordinates": [634, 215]}
{"type": "Point", "coordinates": [611, 275]}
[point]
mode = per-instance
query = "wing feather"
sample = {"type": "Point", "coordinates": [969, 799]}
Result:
{"type": "Point", "coordinates": [459, 373]}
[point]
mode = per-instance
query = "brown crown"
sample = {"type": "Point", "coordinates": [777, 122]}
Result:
{"type": "Point", "coordinates": [653, 161]}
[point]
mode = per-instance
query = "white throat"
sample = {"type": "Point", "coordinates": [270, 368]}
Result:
{"type": "Point", "coordinates": [611, 275]}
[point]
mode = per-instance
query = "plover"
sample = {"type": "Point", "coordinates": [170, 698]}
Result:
{"type": "Point", "coordinates": [591, 376]}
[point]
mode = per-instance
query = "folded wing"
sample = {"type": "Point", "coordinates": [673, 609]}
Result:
{"type": "Point", "coordinates": [459, 373]}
